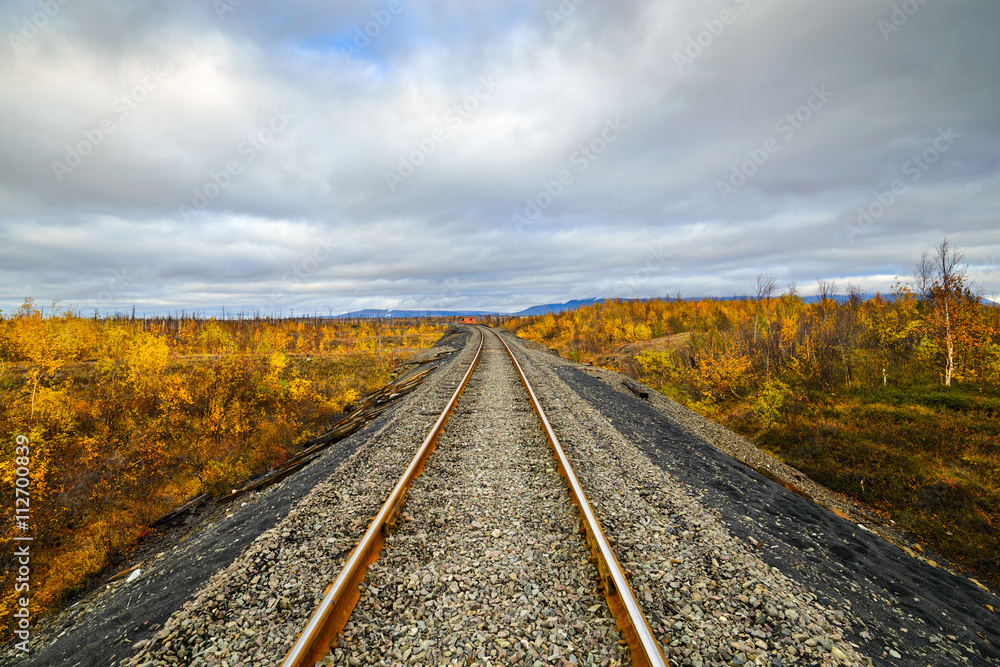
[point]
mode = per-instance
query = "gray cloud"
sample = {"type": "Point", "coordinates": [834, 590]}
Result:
{"type": "Point", "coordinates": [727, 162]}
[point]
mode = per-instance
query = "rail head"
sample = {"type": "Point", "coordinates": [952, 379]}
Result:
{"type": "Point", "coordinates": [628, 614]}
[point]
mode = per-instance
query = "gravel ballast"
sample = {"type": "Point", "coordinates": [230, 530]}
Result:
{"type": "Point", "coordinates": [708, 595]}
{"type": "Point", "coordinates": [251, 612]}
{"type": "Point", "coordinates": [489, 565]}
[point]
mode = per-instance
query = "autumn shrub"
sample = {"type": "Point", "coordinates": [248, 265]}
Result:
{"type": "Point", "coordinates": [658, 369]}
{"type": "Point", "coordinates": [768, 401]}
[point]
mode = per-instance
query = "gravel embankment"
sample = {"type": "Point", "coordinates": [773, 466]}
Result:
{"type": "Point", "coordinates": [891, 608]}
{"type": "Point", "coordinates": [708, 595]}
{"type": "Point", "coordinates": [488, 565]}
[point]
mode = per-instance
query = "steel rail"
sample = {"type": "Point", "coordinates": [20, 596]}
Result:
{"type": "Point", "coordinates": [342, 595]}
{"type": "Point", "coordinates": [624, 607]}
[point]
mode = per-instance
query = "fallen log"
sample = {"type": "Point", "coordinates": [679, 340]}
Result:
{"type": "Point", "coordinates": [181, 510]}
{"type": "Point", "coordinates": [635, 389]}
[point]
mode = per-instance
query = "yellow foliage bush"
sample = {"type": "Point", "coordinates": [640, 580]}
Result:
{"type": "Point", "coordinates": [766, 405]}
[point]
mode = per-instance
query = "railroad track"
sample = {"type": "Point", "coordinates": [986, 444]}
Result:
{"type": "Point", "coordinates": [487, 567]}
{"type": "Point", "coordinates": [489, 545]}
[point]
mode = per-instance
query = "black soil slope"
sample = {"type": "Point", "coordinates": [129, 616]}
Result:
{"type": "Point", "coordinates": [896, 602]}
{"type": "Point", "coordinates": [102, 631]}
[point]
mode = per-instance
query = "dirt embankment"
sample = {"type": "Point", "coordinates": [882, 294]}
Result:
{"type": "Point", "coordinates": [623, 357]}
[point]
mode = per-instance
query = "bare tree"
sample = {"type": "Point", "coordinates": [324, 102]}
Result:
{"type": "Point", "coordinates": [826, 289]}
{"type": "Point", "coordinates": [765, 286]}
{"type": "Point", "coordinates": [923, 273]}
{"type": "Point", "coordinates": [855, 295]}
{"type": "Point", "coordinates": [949, 261]}
{"type": "Point", "coordinates": [846, 327]}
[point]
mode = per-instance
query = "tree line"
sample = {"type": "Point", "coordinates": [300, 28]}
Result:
{"type": "Point", "coordinates": [891, 400]}
{"type": "Point", "coordinates": [935, 325]}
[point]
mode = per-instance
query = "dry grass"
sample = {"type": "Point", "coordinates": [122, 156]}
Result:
{"type": "Point", "coordinates": [622, 357]}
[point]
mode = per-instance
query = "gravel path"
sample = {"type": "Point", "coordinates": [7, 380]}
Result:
{"type": "Point", "coordinates": [489, 565]}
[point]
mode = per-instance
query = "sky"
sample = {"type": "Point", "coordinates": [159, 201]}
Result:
{"type": "Point", "coordinates": [323, 156]}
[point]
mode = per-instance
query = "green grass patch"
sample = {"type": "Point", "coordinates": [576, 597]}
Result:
{"type": "Point", "coordinates": [928, 459]}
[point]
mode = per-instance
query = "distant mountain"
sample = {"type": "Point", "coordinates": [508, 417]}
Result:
{"type": "Point", "coordinates": [533, 310]}
{"type": "Point", "coordinates": [557, 307]}
{"type": "Point", "coordinates": [554, 308]}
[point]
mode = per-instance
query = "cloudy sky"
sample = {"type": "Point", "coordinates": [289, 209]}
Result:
{"type": "Point", "coordinates": [328, 155]}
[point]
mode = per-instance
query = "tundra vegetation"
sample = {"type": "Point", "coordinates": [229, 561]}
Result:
{"type": "Point", "coordinates": [129, 417]}
{"type": "Point", "coordinates": [892, 400]}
